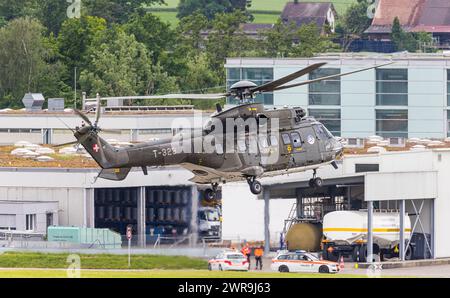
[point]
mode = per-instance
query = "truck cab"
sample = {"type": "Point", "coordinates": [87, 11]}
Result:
{"type": "Point", "coordinates": [209, 223]}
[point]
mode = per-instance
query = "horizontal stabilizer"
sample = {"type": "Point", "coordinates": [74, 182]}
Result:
{"type": "Point", "coordinates": [114, 174]}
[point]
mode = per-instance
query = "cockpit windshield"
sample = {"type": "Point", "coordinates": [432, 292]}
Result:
{"type": "Point", "coordinates": [322, 132]}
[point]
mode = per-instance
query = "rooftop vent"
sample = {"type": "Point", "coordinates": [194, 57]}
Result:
{"type": "Point", "coordinates": [33, 102]}
{"type": "Point", "coordinates": [56, 104]}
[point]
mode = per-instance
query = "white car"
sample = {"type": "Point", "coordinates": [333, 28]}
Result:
{"type": "Point", "coordinates": [302, 262]}
{"type": "Point", "coordinates": [229, 260]}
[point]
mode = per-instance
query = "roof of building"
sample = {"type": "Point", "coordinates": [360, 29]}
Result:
{"type": "Point", "coordinates": [414, 15]}
{"type": "Point", "coordinates": [307, 12]}
{"type": "Point", "coordinates": [253, 28]}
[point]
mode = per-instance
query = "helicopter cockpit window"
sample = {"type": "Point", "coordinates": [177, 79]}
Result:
{"type": "Point", "coordinates": [286, 139]}
{"type": "Point", "coordinates": [321, 132]}
{"type": "Point", "coordinates": [263, 142]}
{"type": "Point", "coordinates": [296, 139]}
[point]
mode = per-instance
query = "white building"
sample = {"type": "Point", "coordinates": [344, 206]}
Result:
{"type": "Point", "coordinates": [409, 98]}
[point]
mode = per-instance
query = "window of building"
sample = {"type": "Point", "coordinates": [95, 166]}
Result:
{"type": "Point", "coordinates": [392, 87]}
{"type": "Point", "coordinates": [326, 92]}
{"type": "Point", "coordinates": [30, 222]}
{"type": "Point", "coordinates": [331, 118]}
{"type": "Point", "coordinates": [448, 87]}
{"type": "Point", "coordinates": [448, 123]}
{"type": "Point", "coordinates": [273, 140]}
{"type": "Point", "coordinates": [258, 76]}
{"type": "Point", "coordinates": [392, 123]}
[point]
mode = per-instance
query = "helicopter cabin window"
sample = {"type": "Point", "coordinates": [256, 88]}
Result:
{"type": "Point", "coordinates": [296, 139]}
{"type": "Point", "coordinates": [327, 92]}
{"type": "Point", "coordinates": [286, 139]}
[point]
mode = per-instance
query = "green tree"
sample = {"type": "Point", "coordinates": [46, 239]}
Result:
{"type": "Point", "coordinates": [403, 41]}
{"type": "Point", "coordinates": [11, 9]}
{"type": "Point", "coordinates": [156, 35]}
{"type": "Point", "coordinates": [29, 62]}
{"type": "Point", "coordinates": [210, 8]}
{"type": "Point", "coordinates": [117, 11]}
{"type": "Point", "coordinates": [309, 42]}
{"type": "Point", "coordinates": [226, 39]}
{"type": "Point", "coordinates": [190, 30]}
{"type": "Point", "coordinates": [353, 23]}
{"type": "Point", "coordinates": [278, 41]}
{"type": "Point", "coordinates": [76, 37]}
{"type": "Point", "coordinates": [121, 66]}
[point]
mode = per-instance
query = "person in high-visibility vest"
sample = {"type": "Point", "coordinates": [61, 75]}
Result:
{"type": "Point", "coordinates": [259, 252]}
{"type": "Point", "coordinates": [246, 251]}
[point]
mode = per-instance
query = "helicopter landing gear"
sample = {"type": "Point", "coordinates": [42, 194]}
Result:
{"type": "Point", "coordinates": [315, 182]}
{"type": "Point", "coordinates": [211, 193]}
{"type": "Point", "coordinates": [255, 185]}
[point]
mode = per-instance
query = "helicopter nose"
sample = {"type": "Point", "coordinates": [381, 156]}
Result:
{"type": "Point", "coordinates": [338, 148]}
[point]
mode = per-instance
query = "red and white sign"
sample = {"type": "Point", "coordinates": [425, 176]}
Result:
{"type": "Point", "coordinates": [129, 233]}
{"type": "Point", "coordinates": [96, 148]}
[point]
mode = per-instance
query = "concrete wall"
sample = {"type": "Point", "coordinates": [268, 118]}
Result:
{"type": "Point", "coordinates": [243, 214]}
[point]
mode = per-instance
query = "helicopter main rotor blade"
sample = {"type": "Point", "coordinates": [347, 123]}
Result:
{"type": "Point", "coordinates": [83, 116]}
{"type": "Point", "coordinates": [329, 77]}
{"type": "Point", "coordinates": [169, 96]}
{"type": "Point", "coordinates": [65, 144]}
{"type": "Point", "coordinates": [271, 86]}
{"type": "Point", "coordinates": [97, 110]}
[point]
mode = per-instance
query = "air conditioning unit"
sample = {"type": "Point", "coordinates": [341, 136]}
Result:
{"type": "Point", "coordinates": [354, 143]}
{"type": "Point", "coordinates": [397, 142]}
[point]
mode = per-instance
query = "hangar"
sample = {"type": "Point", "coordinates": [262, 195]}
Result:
{"type": "Point", "coordinates": [414, 182]}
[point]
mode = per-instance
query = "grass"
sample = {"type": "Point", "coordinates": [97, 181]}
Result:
{"type": "Point", "coordinates": [270, 5]}
{"type": "Point", "coordinates": [99, 261]}
{"type": "Point", "coordinates": [261, 18]}
{"type": "Point", "coordinates": [27, 273]}
{"type": "Point", "coordinates": [168, 17]}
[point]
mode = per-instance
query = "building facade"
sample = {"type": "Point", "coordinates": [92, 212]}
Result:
{"type": "Point", "coordinates": [409, 98]}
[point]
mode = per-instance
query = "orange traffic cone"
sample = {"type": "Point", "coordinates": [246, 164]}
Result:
{"type": "Point", "coordinates": [341, 263]}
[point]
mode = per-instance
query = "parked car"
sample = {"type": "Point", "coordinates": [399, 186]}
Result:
{"type": "Point", "coordinates": [229, 260]}
{"type": "Point", "coordinates": [302, 262]}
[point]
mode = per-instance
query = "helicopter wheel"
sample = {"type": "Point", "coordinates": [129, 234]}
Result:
{"type": "Point", "coordinates": [255, 186]}
{"type": "Point", "coordinates": [210, 195]}
{"type": "Point", "coordinates": [315, 182]}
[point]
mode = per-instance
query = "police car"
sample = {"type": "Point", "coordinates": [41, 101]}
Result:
{"type": "Point", "coordinates": [301, 261]}
{"type": "Point", "coordinates": [229, 260]}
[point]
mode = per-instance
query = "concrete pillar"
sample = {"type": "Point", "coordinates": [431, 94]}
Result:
{"type": "Point", "coordinates": [89, 208]}
{"type": "Point", "coordinates": [141, 216]}
{"type": "Point", "coordinates": [47, 136]}
{"type": "Point", "coordinates": [402, 231]}
{"type": "Point", "coordinates": [194, 216]}
{"type": "Point", "coordinates": [134, 135]}
{"type": "Point", "coordinates": [369, 231]}
{"type": "Point", "coordinates": [266, 196]}
{"type": "Point", "coordinates": [299, 204]}
{"type": "Point", "coordinates": [432, 240]}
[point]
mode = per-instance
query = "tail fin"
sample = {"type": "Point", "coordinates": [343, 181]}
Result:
{"type": "Point", "coordinates": [106, 156]}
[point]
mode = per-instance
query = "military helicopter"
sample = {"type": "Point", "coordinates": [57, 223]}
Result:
{"type": "Point", "coordinates": [299, 143]}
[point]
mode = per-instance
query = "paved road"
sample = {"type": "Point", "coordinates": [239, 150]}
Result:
{"type": "Point", "coordinates": [349, 268]}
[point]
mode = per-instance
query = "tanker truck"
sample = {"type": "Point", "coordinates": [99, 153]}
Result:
{"type": "Point", "coordinates": [345, 234]}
